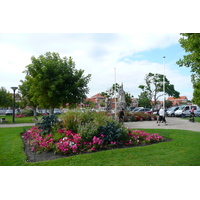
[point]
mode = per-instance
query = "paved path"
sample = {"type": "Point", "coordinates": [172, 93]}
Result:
{"type": "Point", "coordinates": [173, 123]}
{"type": "Point", "coordinates": [16, 125]}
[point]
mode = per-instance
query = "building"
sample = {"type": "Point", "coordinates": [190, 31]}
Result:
{"type": "Point", "coordinates": [97, 99]}
{"type": "Point", "coordinates": [178, 101]}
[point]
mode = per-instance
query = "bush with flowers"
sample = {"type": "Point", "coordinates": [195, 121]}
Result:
{"type": "Point", "coordinates": [20, 115]}
{"type": "Point", "coordinates": [137, 116]}
{"type": "Point", "coordinates": [87, 135]}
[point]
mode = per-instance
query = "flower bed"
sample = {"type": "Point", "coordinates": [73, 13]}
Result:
{"type": "Point", "coordinates": [73, 143]}
{"type": "Point", "coordinates": [82, 132]}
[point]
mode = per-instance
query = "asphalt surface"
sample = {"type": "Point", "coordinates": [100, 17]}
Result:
{"type": "Point", "coordinates": [173, 123]}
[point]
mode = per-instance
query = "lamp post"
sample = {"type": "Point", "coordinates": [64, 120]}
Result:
{"type": "Point", "coordinates": [13, 117]}
{"type": "Point", "coordinates": [164, 83]}
{"type": "Point", "coordinates": [115, 96]}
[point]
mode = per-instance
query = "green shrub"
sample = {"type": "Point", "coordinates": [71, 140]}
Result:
{"type": "Point", "coordinates": [47, 123]}
{"type": "Point", "coordinates": [110, 133]}
{"type": "Point", "coordinates": [27, 112]}
{"type": "Point", "coordinates": [73, 119]}
{"type": "Point", "coordinates": [88, 131]}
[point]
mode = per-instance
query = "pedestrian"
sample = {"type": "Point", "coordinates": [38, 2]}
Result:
{"type": "Point", "coordinates": [192, 115]}
{"type": "Point", "coordinates": [157, 115]}
{"type": "Point", "coordinates": [161, 116]}
{"type": "Point", "coordinates": [183, 113]}
{"type": "Point", "coordinates": [121, 116]}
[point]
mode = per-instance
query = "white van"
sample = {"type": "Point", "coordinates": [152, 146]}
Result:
{"type": "Point", "coordinates": [187, 109]}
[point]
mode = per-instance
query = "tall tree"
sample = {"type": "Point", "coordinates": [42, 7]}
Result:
{"type": "Point", "coordinates": [144, 100]}
{"type": "Point", "coordinates": [27, 94]}
{"type": "Point", "coordinates": [190, 42]}
{"type": "Point", "coordinates": [128, 98]}
{"type": "Point", "coordinates": [55, 81]}
{"type": "Point", "coordinates": [110, 94]}
{"type": "Point", "coordinates": [154, 87]}
{"type": "Point", "coordinates": [5, 98]}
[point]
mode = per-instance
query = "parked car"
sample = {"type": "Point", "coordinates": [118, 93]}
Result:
{"type": "Point", "coordinates": [57, 111]}
{"type": "Point", "coordinates": [45, 111]}
{"type": "Point", "coordinates": [136, 109]}
{"type": "Point", "coordinates": [132, 108]}
{"type": "Point", "coordinates": [9, 112]}
{"type": "Point", "coordinates": [187, 109]}
{"type": "Point", "coordinates": [171, 111]}
{"type": "Point", "coordinates": [144, 110]}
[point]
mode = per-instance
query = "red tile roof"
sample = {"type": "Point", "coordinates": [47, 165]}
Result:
{"type": "Point", "coordinates": [97, 96]}
{"type": "Point", "coordinates": [180, 98]}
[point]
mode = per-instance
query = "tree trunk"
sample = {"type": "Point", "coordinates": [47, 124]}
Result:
{"type": "Point", "coordinates": [51, 110]}
{"type": "Point", "coordinates": [35, 114]}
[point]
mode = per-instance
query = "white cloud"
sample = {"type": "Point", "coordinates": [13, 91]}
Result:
{"type": "Point", "coordinates": [97, 54]}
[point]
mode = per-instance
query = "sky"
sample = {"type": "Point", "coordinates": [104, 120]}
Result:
{"type": "Point", "coordinates": [124, 57]}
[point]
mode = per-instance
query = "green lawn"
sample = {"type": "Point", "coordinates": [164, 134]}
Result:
{"type": "Point", "coordinates": [18, 120]}
{"type": "Point", "coordinates": [183, 150]}
{"type": "Point", "coordinates": [196, 119]}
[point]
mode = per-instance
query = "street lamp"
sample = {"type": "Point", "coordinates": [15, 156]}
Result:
{"type": "Point", "coordinates": [164, 83]}
{"type": "Point", "coordinates": [115, 96]}
{"type": "Point", "coordinates": [14, 88]}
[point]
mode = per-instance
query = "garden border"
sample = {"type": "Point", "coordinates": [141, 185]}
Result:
{"type": "Point", "coordinates": [45, 156]}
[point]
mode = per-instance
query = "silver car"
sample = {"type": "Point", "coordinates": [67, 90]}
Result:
{"type": "Point", "coordinates": [9, 112]}
{"type": "Point", "coordinates": [171, 111]}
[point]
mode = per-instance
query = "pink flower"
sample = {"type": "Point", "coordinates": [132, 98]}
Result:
{"type": "Point", "coordinates": [93, 149]}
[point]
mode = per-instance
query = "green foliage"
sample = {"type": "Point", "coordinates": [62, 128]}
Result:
{"type": "Point", "coordinates": [27, 112]}
{"type": "Point", "coordinates": [52, 82]}
{"type": "Point", "coordinates": [128, 97]}
{"type": "Point", "coordinates": [190, 42]}
{"type": "Point", "coordinates": [88, 131]}
{"type": "Point", "coordinates": [5, 98]}
{"type": "Point", "coordinates": [86, 122]}
{"type": "Point", "coordinates": [154, 87]}
{"type": "Point", "coordinates": [168, 103]}
{"type": "Point", "coordinates": [196, 93]}
{"type": "Point", "coordinates": [47, 123]}
{"type": "Point", "coordinates": [144, 100]}
{"type": "Point", "coordinates": [110, 132]}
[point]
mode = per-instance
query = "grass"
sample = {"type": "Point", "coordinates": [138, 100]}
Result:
{"type": "Point", "coordinates": [183, 150]}
{"type": "Point", "coordinates": [196, 119]}
{"type": "Point", "coordinates": [18, 119]}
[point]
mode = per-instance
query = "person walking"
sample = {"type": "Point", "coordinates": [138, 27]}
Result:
{"type": "Point", "coordinates": [191, 115]}
{"type": "Point", "coordinates": [157, 115]}
{"type": "Point", "coordinates": [162, 116]}
{"type": "Point", "coordinates": [121, 116]}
